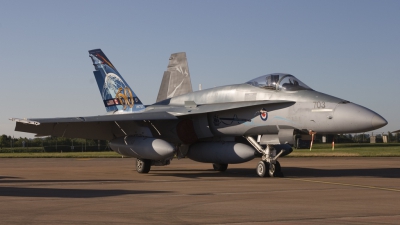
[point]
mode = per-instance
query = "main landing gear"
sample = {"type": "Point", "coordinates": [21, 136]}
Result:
{"type": "Point", "coordinates": [268, 166]}
{"type": "Point", "coordinates": [220, 167]}
{"type": "Point", "coordinates": [143, 165]}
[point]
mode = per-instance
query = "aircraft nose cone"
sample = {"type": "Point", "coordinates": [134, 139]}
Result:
{"type": "Point", "coordinates": [378, 121]}
{"type": "Point", "coordinates": [353, 118]}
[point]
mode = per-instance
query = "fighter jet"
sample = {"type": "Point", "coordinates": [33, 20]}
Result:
{"type": "Point", "coordinates": [222, 125]}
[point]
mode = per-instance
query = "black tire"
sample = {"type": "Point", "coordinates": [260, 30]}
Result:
{"type": "Point", "coordinates": [275, 170]}
{"type": "Point", "coordinates": [143, 165]}
{"type": "Point", "coordinates": [262, 168]}
{"type": "Point", "coordinates": [220, 167]}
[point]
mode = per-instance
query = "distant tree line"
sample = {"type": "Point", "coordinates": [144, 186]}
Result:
{"type": "Point", "coordinates": [358, 138]}
{"type": "Point", "coordinates": [54, 143]}
{"type": "Point", "coordinates": [76, 144]}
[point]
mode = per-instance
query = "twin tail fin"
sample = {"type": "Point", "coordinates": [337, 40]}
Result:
{"type": "Point", "coordinates": [176, 80]}
{"type": "Point", "coordinates": [116, 94]}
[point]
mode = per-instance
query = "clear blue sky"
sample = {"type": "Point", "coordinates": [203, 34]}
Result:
{"type": "Point", "coordinates": [349, 49]}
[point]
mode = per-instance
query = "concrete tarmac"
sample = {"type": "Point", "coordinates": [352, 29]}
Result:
{"type": "Point", "coordinates": [109, 191]}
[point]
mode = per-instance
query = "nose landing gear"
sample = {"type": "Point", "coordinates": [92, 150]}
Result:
{"type": "Point", "coordinates": [269, 169]}
{"type": "Point", "coordinates": [268, 166]}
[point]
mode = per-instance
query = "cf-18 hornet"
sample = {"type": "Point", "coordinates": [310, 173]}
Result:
{"type": "Point", "coordinates": [222, 125]}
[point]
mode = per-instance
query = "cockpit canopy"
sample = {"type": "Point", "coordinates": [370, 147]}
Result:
{"type": "Point", "coordinates": [279, 81]}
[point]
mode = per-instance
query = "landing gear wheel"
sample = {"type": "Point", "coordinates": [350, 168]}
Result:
{"type": "Point", "coordinates": [220, 167]}
{"type": "Point", "coordinates": [262, 168]}
{"type": "Point", "coordinates": [143, 165]}
{"type": "Point", "coordinates": [275, 170]}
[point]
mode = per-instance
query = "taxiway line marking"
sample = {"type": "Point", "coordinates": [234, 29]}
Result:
{"type": "Point", "coordinates": [344, 184]}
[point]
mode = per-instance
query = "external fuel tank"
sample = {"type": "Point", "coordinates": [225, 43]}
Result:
{"type": "Point", "coordinates": [143, 147]}
{"type": "Point", "coordinates": [221, 152]}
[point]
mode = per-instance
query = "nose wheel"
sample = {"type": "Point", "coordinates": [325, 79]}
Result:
{"type": "Point", "coordinates": [269, 165]}
{"type": "Point", "coordinates": [269, 169]}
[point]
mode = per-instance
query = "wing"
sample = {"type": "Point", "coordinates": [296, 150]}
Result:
{"type": "Point", "coordinates": [108, 127]}
{"type": "Point", "coordinates": [191, 107]}
{"type": "Point", "coordinates": [105, 127]}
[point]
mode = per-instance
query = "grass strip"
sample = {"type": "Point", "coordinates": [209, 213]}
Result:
{"type": "Point", "coordinates": [62, 155]}
{"type": "Point", "coordinates": [350, 150]}
{"type": "Point", "coordinates": [318, 150]}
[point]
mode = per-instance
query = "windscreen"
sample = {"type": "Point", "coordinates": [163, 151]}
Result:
{"type": "Point", "coordinates": [284, 82]}
{"type": "Point", "coordinates": [291, 83]}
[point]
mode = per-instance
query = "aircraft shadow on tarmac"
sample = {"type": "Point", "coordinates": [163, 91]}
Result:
{"type": "Point", "coordinates": [287, 171]}
{"type": "Point", "coordinates": [63, 192]}
{"type": "Point", "coordinates": [205, 173]}
{"type": "Point", "coordinates": [8, 177]}
{"type": "Point", "coordinates": [69, 193]}
{"type": "Point", "coordinates": [21, 180]}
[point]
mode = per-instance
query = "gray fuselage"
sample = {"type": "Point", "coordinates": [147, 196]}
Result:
{"type": "Point", "coordinates": [305, 110]}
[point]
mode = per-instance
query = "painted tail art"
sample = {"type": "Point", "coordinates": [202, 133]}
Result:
{"type": "Point", "coordinates": [116, 94]}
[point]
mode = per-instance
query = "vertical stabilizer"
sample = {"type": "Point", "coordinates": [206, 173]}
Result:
{"type": "Point", "coordinates": [176, 80]}
{"type": "Point", "coordinates": [115, 92]}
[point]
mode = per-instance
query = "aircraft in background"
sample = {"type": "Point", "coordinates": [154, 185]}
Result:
{"type": "Point", "coordinates": [221, 125]}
